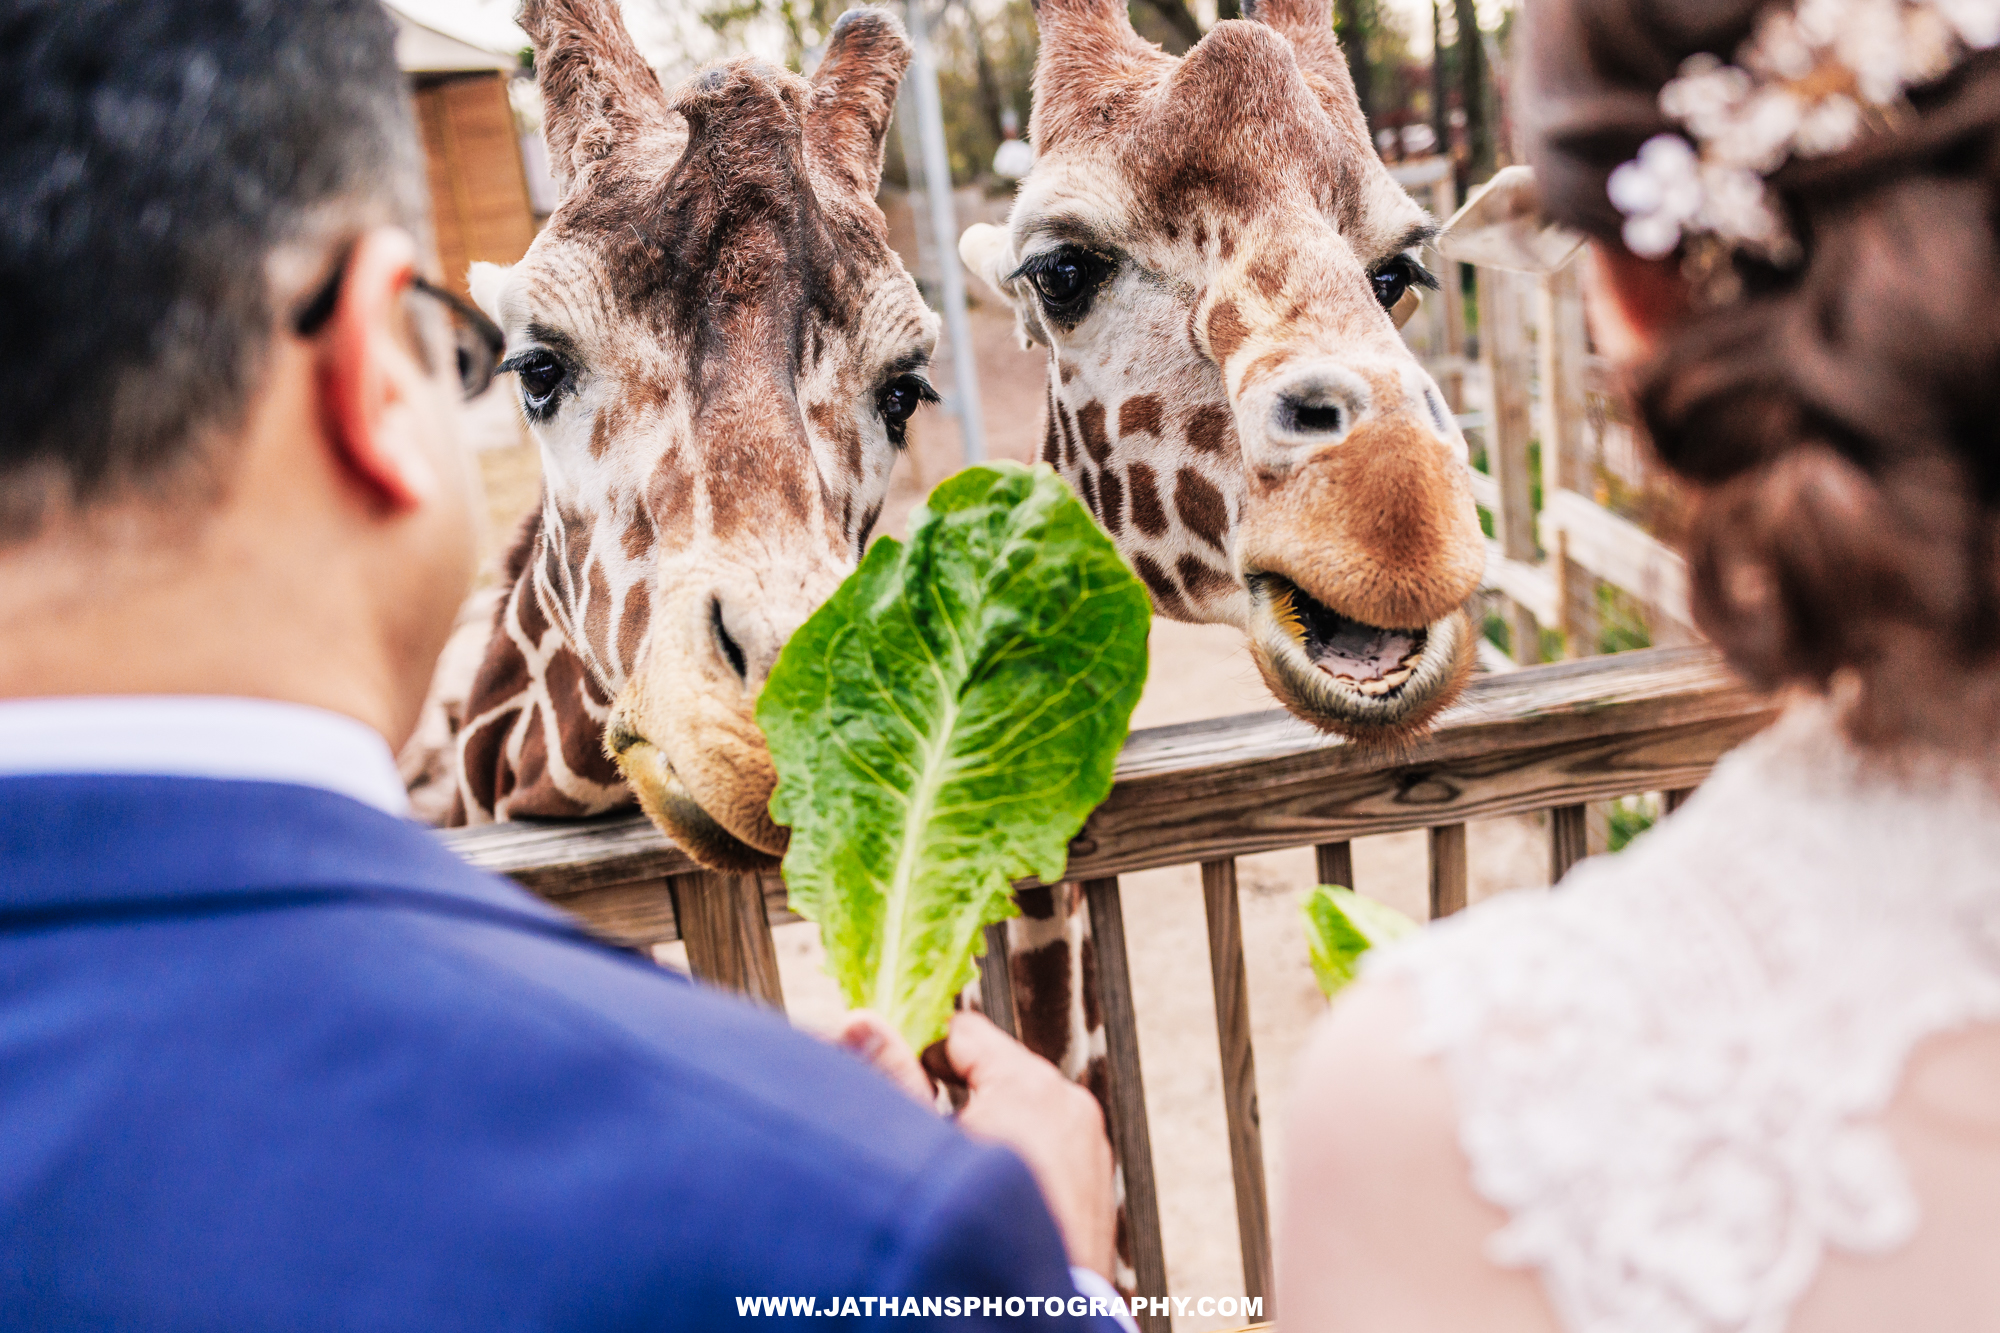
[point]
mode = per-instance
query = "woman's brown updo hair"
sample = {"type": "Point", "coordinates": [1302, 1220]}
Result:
{"type": "Point", "coordinates": [1838, 422]}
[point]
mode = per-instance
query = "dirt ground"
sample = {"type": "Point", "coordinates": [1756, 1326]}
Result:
{"type": "Point", "coordinates": [1198, 671]}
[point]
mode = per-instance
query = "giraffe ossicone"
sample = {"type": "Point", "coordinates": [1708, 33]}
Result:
{"type": "Point", "coordinates": [1214, 256]}
{"type": "Point", "coordinates": [716, 351]}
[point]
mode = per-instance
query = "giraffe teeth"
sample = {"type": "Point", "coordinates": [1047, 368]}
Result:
{"type": "Point", "coordinates": [1285, 610]}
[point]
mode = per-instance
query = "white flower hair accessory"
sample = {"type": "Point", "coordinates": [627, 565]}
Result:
{"type": "Point", "coordinates": [1808, 82]}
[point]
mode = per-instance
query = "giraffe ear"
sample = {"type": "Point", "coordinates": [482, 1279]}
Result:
{"type": "Point", "coordinates": [989, 253]}
{"type": "Point", "coordinates": [488, 282]}
{"type": "Point", "coordinates": [854, 95]}
{"type": "Point", "coordinates": [598, 94]}
{"type": "Point", "coordinates": [1502, 226]}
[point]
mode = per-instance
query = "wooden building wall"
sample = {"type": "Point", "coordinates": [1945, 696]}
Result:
{"type": "Point", "coordinates": [479, 190]}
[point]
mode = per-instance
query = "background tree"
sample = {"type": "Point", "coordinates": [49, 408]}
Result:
{"type": "Point", "coordinates": [1469, 54]}
{"type": "Point", "coordinates": [1355, 22]}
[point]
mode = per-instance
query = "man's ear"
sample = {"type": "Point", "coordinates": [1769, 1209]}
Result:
{"type": "Point", "coordinates": [987, 251]}
{"type": "Point", "coordinates": [366, 368]}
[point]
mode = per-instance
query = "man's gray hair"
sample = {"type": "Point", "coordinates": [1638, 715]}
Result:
{"type": "Point", "coordinates": [156, 155]}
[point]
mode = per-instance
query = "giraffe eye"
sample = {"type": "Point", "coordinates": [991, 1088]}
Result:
{"type": "Point", "coordinates": [899, 401]}
{"type": "Point", "coordinates": [1066, 279]}
{"type": "Point", "coordinates": [541, 377]}
{"type": "Point", "coordinates": [1396, 277]}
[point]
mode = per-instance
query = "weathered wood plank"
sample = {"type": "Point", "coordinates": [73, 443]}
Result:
{"type": "Point", "coordinates": [572, 857]}
{"type": "Point", "coordinates": [1335, 863]}
{"type": "Point", "coordinates": [728, 933]}
{"type": "Point", "coordinates": [1504, 301]}
{"type": "Point", "coordinates": [1562, 350]}
{"type": "Point", "coordinates": [1239, 1074]}
{"type": "Point", "coordinates": [1449, 879]}
{"type": "Point", "coordinates": [1528, 584]}
{"type": "Point", "coordinates": [1125, 1094]}
{"type": "Point", "coordinates": [1567, 839]}
{"type": "Point", "coordinates": [1544, 736]}
{"type": "Point", "coordinates": [996, 982]}
{"type": "Point", "coordinates": [1535, 738]}
{"type": "Point", "coordinates": [1674, 800]}
{"type": "Point", "coordinates": [1618, 551]}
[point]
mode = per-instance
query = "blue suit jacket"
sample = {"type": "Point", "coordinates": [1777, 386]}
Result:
{"type": "Point", "coordinates": [270, 1059]}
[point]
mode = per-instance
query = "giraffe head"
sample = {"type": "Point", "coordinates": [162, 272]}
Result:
{"type": "Point", "coordinates": [717, 352]}
{"type": "Point", "coordinates": [1211, 251]}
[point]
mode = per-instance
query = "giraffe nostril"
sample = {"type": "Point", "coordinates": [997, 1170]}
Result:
{"type": "Point", "coordinates": [1315, 403]}
{"type": "Point", "coordinates": [728, 645]}
{"type": "Point", "coordinates": [1314, 418]}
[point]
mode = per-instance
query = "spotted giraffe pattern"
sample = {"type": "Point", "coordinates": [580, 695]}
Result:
{"type": "Point", "coordinates": [714, 344]}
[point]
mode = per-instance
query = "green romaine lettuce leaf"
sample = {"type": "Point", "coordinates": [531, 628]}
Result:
{"type": "Point", "coordinates": [1341, 925]}
{"type": "Point", "coordinates": [943, 725]}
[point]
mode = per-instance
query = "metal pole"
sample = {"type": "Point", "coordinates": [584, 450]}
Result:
{"type": "Point", "coordinates": [944, 227]}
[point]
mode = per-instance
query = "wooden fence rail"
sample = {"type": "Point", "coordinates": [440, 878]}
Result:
{"type": "Point", "coordinates": [1546, 738]}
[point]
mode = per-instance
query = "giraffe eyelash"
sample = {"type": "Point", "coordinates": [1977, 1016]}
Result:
{"type": "Point", "coordinates": [1412, 270]}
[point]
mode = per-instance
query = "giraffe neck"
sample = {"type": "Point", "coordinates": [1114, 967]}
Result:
{"type": "Point", "coordinates": [532, 744]}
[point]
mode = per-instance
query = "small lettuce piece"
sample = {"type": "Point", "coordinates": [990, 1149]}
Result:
{"type": "Point", "coordinates": [1341, 925]}
{"type": "Point", "coordinates": [943, 725]}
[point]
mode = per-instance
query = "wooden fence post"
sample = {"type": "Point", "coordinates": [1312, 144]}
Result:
{"type": "Point", "coordinates": [1503, 348]}
{"type": "Point", "coordinates": [1564, 431]}
{"type": "Point", "coordinates": [1126, 1093]}
{"type": "Point", "coordinates": [728, 936]}
{"type": "Point", "coordinates": [1568, 840]}
{"type": "Point", "coordinates": [996, 982]}
{"type": "Point", "coordinates": [1448, 870]}
{"type": "Point", "coordinates": [1239, 1075]}
{"type": "Point", "coordinates": [1335, 863]}
{"type": "Point", "coordinates": [1444, 202]}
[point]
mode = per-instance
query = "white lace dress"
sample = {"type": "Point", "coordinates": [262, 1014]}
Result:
{"type": "Point", "coordinates": [1668, 1071]}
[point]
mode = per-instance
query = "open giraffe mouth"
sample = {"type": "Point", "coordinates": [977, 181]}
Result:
{"type": "Point", "coordinates": [1344, 675]}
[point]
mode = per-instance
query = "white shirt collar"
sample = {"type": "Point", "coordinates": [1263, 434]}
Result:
{"type": "Point", "coordinates": [193, 736]}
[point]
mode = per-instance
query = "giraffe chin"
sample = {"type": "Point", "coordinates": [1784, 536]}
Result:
{"type": "Point", "coordinates": [676, 813]}
{"type": "Point", "coordinates": [1370, 684]}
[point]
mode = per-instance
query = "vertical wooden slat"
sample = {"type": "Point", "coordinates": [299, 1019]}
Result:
{"type": "Point", "coordinates": [1503, 347]}
{"type": "Point", "coordinates": [1448, 874]}
{"type": "Point", "coordinates": [1335, 862]}
{"type": "Point", "coordinates": [1444, 202]}
{"type": "Point", "coordinates": [1239, 1074]}
{"type": "Point", "coordinates": [728, 935]}
{"type": "Point", "coordinates": [1130, 1134]}
{"type": "Point", "coordinates": [1566, 840]}
{"type": "Point", "coordinates": [1565, 422]}
{"type": "Point", "coordinates": [1674, 800]}
{"type": "Point", "coordinates": [1597, 828]}
{"type": "Point", "coordinates": [996, 984]}
{"type": "Point", "coordinates": [1564, 430]}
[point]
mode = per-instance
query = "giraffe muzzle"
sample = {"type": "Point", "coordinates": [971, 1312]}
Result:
{"type": "Point", "coordinates": [666, 800]}
{"type": "Point", "coordinates": [1358, 563]}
